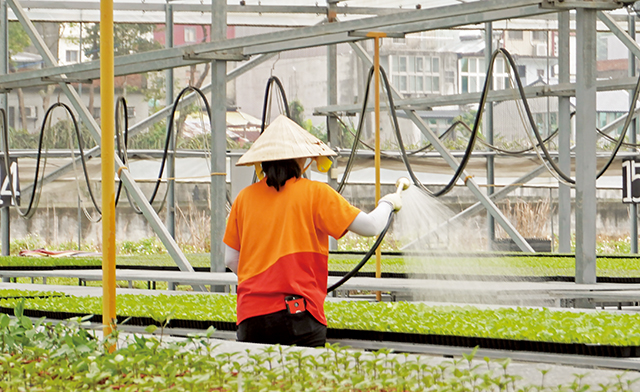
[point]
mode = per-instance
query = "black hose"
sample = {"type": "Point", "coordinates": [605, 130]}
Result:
{"type": "Point", "coordinates": [266, 104]}
{"type": "Point", "coordinates": [356, 138]}
{"type": "Point", "coordinates": [37, 186]}
{"type": "Point", "coordinates": [267, 101]}
{"type": "Point", "coordinates": [122, 142]}
{"type": "Point", "coordinates": [366, 257]}
{"type": "Point", "coordinates": [170, 132]}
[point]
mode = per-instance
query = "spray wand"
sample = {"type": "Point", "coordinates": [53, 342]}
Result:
{"type": "Point", "coordinates": [402, 184]}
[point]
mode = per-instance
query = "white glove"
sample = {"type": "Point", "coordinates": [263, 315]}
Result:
{"type": "Point", "coordinates": [394, 199]}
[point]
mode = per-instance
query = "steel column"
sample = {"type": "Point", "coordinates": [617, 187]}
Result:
{"type": "Point", "coordinates": [171, 161]}
{"type": "Point", "coordinates": [564, 133]}
{"type": "Point", "coordinates": [218, 139]}
{"type": "Point", "coordinates": [488, 128]}
{"type": "Point", "coordinates": [107, 169]}
{"type": "Point", "coordinates": [5, 215]}
{"type": "Point", "coordinates": [332, 99]}
{"type": "Point", "coordinates": [451, 161]}
{"type": "Point", "coordinates": [633, 129]}
{"type": "Point", "coordinates": [586, 146]}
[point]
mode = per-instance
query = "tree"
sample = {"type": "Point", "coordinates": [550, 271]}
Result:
{"type": "Point", "coordinates": [129, 38]}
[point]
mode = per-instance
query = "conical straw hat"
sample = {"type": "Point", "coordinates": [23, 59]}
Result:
{"type": "Point", "coordinates": [284, 139]}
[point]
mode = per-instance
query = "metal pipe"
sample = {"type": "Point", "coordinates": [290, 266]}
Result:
{"type": "Point", "coordinates": [586, 146]}
{"type": "Point", "coordinates": [108, 168]}
{"type": "Point", "coordinates": [376, 93]}
{"type": "Point", "coordinates": [488, 128]}
{"type": "Point", "coordinates": [171, 158]}
{"type": "Point", "coordinates": [633, 129]}
{"type": "Point", "coordinates": [218, 139]}
{"type": "Point", "coordinates": [564, 136]}
{"type": "Point", "coordinates": [5, 215]}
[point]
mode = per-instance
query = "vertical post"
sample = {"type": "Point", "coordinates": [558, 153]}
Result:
{"type": "Point", "coordinates": [376, 95]}
{"type": "Point", "coordinates": [80, 56]}
{"type": "Point", "coordinates": [171, 162]}
{"type": "Point", "coordinates": [633, 129]}
{"type": "Point", "coordinates": [564, 133]}
{"type": "Point", "coordinates": [488, 128]}
{"type": "Point", "coordinates": [332, 122]}
{"type": "Point", "coordinates": [218, 138]}
{"type": "Point", "coordinates": [79, 223]}
{"type": "Point", "coordinates": [108, 167]}
{"type": "Point", "coordinates": [5, 215]}
{"type": "Point", "coordinates": [586, 146]}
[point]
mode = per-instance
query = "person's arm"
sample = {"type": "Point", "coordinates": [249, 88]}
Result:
{"type": "Point", "coordinates": [231, 257]}
{"type": "Point", "coordinates": [373, 223]}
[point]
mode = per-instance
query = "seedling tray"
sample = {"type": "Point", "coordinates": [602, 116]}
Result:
{"type": "Point", "coordinates": [333, 333]}
{"type": "Point", "coordinates": [489, 343]}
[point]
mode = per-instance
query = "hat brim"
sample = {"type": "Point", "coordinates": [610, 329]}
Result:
{"type": "Point", "coordinates": [284, 139]}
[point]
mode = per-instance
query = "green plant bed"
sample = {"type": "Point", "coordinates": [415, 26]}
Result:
{"type": "Point", "coordinates": [15, 293]}
{"type": "Point", "coordinates": [45, 357]}
{"type": "Point", "coordinates": [524, 266]}
{"type": "Point", "coordinates": [196, 260]}
{"type": "Point", "coordinates": [528, 324]}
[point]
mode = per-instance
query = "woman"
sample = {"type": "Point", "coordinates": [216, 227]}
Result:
{"type": "Point", "coordinates": [277, 237]}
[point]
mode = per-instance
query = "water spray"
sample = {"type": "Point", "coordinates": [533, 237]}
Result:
{"type": "Point", "coordinates": [402, 185]}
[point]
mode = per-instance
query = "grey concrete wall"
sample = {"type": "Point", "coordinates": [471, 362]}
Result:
{"type": "Point", "coordinates": [56, 220]}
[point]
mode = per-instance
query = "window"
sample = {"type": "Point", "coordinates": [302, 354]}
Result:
{"type": "Point", "coordinates": [522, 72]}
{"type": "Point", "coordinates": [189, 34]}
{"type": "Point", "coordinates": [72, 56]}
{"type": "Point", "coordinates": [539, 36]}
{"type": "Point", "coordinates": [12, 117]}
{"type": "Point", "coordinates": [31, 112]}
{"type": "Point", "coordinates": [516, 35]}
{"type": "Point", "coordinates": [131, 111]}
{"type": "Point", "coordinates": [415, 74]}
{"type": "Point", "coordinates": [473, 72]}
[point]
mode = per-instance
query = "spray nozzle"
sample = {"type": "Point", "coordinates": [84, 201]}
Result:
{"type": "Point", "coordinates": [402, 184]}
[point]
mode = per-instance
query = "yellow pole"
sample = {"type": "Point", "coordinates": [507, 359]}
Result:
{"type": "Point", "coordinates": [376, 93]}
{"type": "Point", "coordinates": [108, 167]}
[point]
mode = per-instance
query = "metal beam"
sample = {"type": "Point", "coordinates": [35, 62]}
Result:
{"type": "Point", "coordinates": [487, 124]}
{"type": "Point", "coordinates": [218, 140]}
{"type": "Point", "coordinates": [633, 131]}
{"type": "Point", "coordinates": [171, 158]}
{"type": "Point", "coordinates": [622, 35]}
{"type": "Point", "coordinates": [446, 155]}
{"type": "Point", "coordinates": [564, 136]}
{"type": "Point", "coordinates": [93, 127]}
{"type": "Point", "coordinates": [481, 17]}
{"type": "Point", "coordinates": [5, 212]}
{"type": "Point", "coordinates": [585, 206]}
{"type": "Point", "coordinates": [203, 7]}
{"type": "Point", "coordinates": [556, 90]}
{"type": "Point", "coordinates": [167, 58]}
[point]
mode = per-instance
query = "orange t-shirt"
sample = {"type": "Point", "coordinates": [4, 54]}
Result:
{"type": "Point", "coordinates": [283, 240]}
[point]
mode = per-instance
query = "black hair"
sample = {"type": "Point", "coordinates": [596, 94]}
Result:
{"type": "Point", "coordinates": [278, 172]}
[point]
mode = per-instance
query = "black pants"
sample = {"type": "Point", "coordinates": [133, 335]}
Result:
{"type": "Point", "coordinates": [301, 329]}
